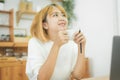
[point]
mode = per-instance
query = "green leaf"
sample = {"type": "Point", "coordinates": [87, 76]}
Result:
{"type": "Point", "coordinates": [2, 1]}
{"type": "Point", "coordinates": [69, 7]}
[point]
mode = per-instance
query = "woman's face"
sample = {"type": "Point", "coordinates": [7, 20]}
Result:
{"type": "Point", "coordinates": [56, 20]}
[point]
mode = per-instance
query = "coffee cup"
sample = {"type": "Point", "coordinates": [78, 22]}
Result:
{"type": "Point", "coordinates": [70, 33]}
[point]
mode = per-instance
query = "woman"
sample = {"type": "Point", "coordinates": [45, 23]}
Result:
{"type": "Point", "coordinates": [51, 55]}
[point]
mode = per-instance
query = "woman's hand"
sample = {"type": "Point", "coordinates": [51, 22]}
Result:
{"type": "Point", "coordinates": [79, 69]}
{"type": "Point", "coordinates": [79, 38]}
{"type": "Point", "coordinates": [61, 37]}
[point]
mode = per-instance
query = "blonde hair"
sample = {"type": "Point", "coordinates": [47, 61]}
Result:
{"type": "Point", "coordinates": [37, 29]}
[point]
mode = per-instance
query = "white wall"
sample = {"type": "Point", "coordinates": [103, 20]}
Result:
{"type": "Point", "coordinates": [118, 14]}
{"type": "Point", "coordinates": [98, 20]}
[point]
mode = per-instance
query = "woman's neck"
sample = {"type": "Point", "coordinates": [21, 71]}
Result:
{"type": "Point", "coordinates": [52, 37]}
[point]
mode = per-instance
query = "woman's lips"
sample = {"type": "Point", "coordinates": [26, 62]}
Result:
{"type": "Point", "coordinates": [62, 24]}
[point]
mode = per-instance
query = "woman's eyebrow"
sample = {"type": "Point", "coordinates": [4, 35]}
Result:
{"type": "Point", "coordinates": [56, 12]}
{"type": "Point", "coordinates": [53, 13]}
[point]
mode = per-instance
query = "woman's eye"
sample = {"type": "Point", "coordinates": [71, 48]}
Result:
{"type": "Point", "coordinates": [55, 15]}
{"type": "Point", "coordinates": [63, 15]}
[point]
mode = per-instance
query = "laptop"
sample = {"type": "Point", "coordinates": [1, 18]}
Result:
{"type": "Point", "coordinates": [115, 61]}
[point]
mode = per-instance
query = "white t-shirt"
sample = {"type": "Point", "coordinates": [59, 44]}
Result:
{"type": "Point", "coordinates": [38, 53]}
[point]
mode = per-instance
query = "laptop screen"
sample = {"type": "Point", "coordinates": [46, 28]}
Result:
{"type": "Point", "coordinates": [115, 61]}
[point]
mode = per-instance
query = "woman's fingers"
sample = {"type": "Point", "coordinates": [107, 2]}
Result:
{"type": "Point", "coordinates": [62, 37]}
{"type": "Point", "coordinates": [79, 38]}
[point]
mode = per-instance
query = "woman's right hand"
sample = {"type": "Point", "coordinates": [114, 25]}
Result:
{"type": "Point", "coordinates": [61, 37]}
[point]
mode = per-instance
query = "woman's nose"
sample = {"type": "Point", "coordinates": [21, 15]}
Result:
{"type": "Point", "coordinates": [62, 18]}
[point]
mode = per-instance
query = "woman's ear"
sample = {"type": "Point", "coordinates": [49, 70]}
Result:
{"type": "Point", "coordinates": [45, 25]}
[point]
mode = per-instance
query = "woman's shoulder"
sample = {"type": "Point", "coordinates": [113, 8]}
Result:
{"type": "Point", "coordinates": [34, 40]}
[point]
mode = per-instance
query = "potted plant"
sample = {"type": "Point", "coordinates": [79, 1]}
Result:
{"type": "Point", "coordinates": [69, 7]}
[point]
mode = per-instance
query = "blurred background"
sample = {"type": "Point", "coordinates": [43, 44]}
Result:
{"type": "Point", "coordinates": [99, 21]}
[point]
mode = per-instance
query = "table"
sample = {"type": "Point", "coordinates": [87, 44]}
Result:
{"type": "Point", "coordinates": [98, 78]}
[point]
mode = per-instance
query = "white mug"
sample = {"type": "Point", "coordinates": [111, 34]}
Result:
{"type": "Point", "coordinates": [71, 33]}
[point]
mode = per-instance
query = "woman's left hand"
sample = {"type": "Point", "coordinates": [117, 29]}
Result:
{"type": "Point", "coordinates": [79, 38]}
{"type": "Point", "coordinates": [79, 69]}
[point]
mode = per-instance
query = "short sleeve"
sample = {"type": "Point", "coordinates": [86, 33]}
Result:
{"type": "Point", "coordinates": [35, 58]}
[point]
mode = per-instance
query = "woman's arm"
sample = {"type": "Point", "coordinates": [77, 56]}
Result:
{"type": "Point", "coordinates": [79, 69]}
{"type": "Point", "coordinates": [47, 69]}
